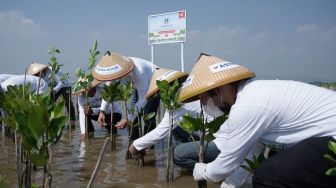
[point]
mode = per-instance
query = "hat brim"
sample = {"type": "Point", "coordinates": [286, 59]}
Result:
{"type": "Point", "coordinates": [190, 97]}
{"type": "Point", "coordinates": [180, 76]}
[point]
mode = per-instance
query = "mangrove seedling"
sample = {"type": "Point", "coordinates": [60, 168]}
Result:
{"type": "Point", "coordinates": [169, 95]}
{"type": "Point", "coordinates": [201, 124]}
{"type": "Point", "coordinates": [111, 94]}
{"type": "Point", "coordinates": [332, 147]}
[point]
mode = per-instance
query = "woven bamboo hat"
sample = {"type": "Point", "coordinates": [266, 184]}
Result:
{"type": "Point", "coordinates": [210, 72]}
{"type": "Point", "coordinates": [93, 84]}
{"type": "Point", "coordinates": [36, 68]}
{"type": "Point", "coordinates": [163, 74]}
{"type": "Point", "coordinates": [112, 66]}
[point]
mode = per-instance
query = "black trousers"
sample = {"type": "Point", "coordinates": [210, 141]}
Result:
{"type": "Point", "coordinates": [64, 91]}
{"type": "Point", "coordinates": [116, 119]}
{"type": "Point", "coordinates": [302, 165]}
{"type": "Point", "coordinates": [151, 106]}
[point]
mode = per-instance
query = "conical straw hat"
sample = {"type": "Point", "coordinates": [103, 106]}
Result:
{"type": "Point", "coordinates": [93, 84]}
{"type": "Point", "coordinates": [210, 72]}
{"type": "Point", "coordinates": [163, 74]}
{"type": "Point", "coordinates": [112, 66]}
{"type": "Point", "coordinates": [36, 68]}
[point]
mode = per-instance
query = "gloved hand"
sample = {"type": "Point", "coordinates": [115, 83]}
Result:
{"type": "Point", "coordinates": [199, 171]}
{"type": "Point", "coordinates": [226, 185]}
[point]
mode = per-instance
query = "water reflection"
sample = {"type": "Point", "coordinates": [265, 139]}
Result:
{"type": "Point", "coordinates": [74, 160]}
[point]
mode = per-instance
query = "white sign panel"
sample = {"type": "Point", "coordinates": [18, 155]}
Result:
{"type": "Point", "coordinates": [167, 27]}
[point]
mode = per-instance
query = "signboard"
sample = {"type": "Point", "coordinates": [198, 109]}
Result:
{"type": "Point", "coordinates": [167, 27]}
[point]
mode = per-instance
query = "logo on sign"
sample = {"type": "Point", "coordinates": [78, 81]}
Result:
{"type": "Point", "coordinates": [181, 15]}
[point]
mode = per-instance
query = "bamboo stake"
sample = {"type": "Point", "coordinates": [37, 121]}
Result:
{"type": "Point", "coordinates": [93, 176]}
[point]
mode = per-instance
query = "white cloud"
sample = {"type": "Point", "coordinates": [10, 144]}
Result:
{"type": "Point", "coordinates": [15, 24]}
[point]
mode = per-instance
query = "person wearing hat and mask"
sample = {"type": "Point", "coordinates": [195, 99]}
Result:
{"type": "Point", "coordinates": [113, 67]}
{"type": "Point", "coordinates": [193, 109]}
{"type": "Point", "coordinates": [94, 102]}
{"type": "Point", "coordinates": [294, 118]}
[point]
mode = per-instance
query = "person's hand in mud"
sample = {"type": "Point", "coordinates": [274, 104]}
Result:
{"type": "Point", "coordinates": [122, 124]}
{"type": "Point", "coordinates": [133, 151]}
{"type": "Point", "coordinates": [87, 110]}
{"type": "Point", "coordinates": [101, 118]}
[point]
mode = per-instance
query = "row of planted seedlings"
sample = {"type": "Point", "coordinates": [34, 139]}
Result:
{"type": "Point", "coordinates": [37, 121]}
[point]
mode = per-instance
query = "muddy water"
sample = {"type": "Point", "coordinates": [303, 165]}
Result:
{"type": "Point", "coordinates": [74, 161]}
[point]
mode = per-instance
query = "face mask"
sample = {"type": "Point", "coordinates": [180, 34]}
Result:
{"type": "Point", "coordinates": [211, 109]}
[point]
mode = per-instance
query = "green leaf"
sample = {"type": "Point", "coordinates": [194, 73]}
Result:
{"type": "Point", "coordinates": [331, 172]}
{"type": "Point", "coordinates": [329, 157]}
{"type": "Point", "coordinates": [59, 109]}
{"type": "Point", "coordinates": [332, 146]}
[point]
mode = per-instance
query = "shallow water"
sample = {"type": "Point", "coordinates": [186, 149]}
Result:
{"type": "Point", "coordinates": [74, 162]}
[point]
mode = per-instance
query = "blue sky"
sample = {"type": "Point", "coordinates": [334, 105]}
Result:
{"type": "Point", "coordinates": [287, 39]}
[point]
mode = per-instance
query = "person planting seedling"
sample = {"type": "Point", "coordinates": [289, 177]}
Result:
{"type": "Point", "coordinates": [128, 69]}
{"type": "Point", "coordinates": [292, 117]}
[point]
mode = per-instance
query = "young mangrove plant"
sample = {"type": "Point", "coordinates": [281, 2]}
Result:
{"type": "Point", "coordinates": [142, 117]}
{"type": "Point", "coordinates": [169, 95]}
{"type": "Point", "coordinates": [125, 94]}
{"type": "Point", "coordinates": [85, 79]}
{"type": "Point", "coordinates": [111, 94]}
{"type": "Point", "coordinates": [201, 125]}
{"type": "Point", "coordinates": [332, 147]}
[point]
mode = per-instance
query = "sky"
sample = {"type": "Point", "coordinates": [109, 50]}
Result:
{"type": "Point", "coordinates": [287, 39]}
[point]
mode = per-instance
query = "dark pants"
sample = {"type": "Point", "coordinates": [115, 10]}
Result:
{"type": "Point", "coordinates": [116, 119]}
{"type": "Point", "coordinates": [64, 91]}
{"type": "Point", "coordinates": [151, 106]}
{"type": "Point", "coordinates": [302, 165]}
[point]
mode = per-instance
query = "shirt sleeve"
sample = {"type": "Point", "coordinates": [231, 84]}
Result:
{"type": "Point", "coordinates": [155, 135]}
{"type": "Point", "coordinates": [58, 82]}
{"type": "Point", "coordinates": [239, 133]}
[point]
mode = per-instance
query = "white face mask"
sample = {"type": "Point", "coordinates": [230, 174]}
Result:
{"type": "Point", "coordinates": [211, 109]}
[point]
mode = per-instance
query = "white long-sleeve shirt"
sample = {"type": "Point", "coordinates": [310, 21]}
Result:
{"type": "Point", "coordinates": [59, 83]}
{"type": "Point", "coordinates": [277, 113]}
{"type": "Point", "coordinates": [94, 102]}
{"type": "Point", "coordinates": [140, 76]}
{"type": "Point", "coordinates": [20, 80]}
{"type": "Point", "coordinates": [4, 77]}
{"type": "Point", "coordinates": [162, 129]}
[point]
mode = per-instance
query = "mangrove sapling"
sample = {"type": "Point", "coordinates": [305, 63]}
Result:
{"type": "Point", "coordinates": [201, 124]}
{"type": "Point", "coordinates": [125, 91]}
{"type": "Point", "coordinates": [84, 80]}
{"type": "Point", "coordinates": [169, 95]}
{"type": "Point", "coordinates": [332, 147]}
{"type": "Point", "coordinates": [254, 163]}
{"type": "Point", "coordinates": [111, 94]}
{"type": "Point", "coordinates": [142, 118]}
